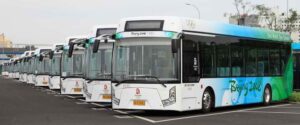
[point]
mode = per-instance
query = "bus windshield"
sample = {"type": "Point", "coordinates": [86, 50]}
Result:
{"type": "Point", "coordinates": [55, 65]}
{"type": "Point", "coordinates": [72, 67]}
{"type": "Point", "coordinates": [99, 64]}
{"type": "Point", "coordinates": [145, 59]}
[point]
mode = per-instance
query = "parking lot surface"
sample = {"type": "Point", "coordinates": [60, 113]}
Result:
{"type": "Point", "coordinates": [24, 104]}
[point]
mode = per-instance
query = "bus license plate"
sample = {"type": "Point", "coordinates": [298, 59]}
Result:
{"type": "Point", "coordinates": [139, 102]}
{"type": "Point", "coordinates": [45, 82]}
{"type": "Point", "coordinates": [77, 89]}
{"type": "Point", "coordinates": [106, 97]}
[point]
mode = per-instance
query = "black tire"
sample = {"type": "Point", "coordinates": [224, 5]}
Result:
{"type": "Point", "coordinates": [207, 101]}
{"type": "Point", "coordinates": [267, 96]}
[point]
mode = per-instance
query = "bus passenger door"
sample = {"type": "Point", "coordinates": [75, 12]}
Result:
{"type": "Point", "coordinates": [191, 75]}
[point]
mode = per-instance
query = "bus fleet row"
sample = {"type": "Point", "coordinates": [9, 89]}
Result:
{"type": "Point", "coordinates": [164, 63]}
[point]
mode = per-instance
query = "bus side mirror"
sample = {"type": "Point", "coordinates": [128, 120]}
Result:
{"type": "Point", "coordinates": [113, 36]}
{"type": "Point", "coordinates": [51, 54]}
{"type": "Point", "coordinates": [41, 58]}
{"type": "Point", "coordinates": [71, 48]}
{"type": "Point", "coordinates": [175, 45]}
{"type": "Point", "coordinates": [96, 46]}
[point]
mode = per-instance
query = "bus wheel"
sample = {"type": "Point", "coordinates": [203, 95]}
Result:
{"type": "Point", "coordinates": [267, 95]}
{"type": "Point", "coordinates": [207, 101]}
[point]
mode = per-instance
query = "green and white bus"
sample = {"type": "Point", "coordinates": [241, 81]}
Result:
{"type": "Point", "coordinates": [181, 64]}
{"type": "Point", "coordinates": [98, 58]}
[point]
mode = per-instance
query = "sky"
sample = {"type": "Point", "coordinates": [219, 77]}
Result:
{"type": "Point", "coordinates": [51, 21]}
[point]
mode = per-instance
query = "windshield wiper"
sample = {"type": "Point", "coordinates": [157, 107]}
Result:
{"type": "Point", "coordinates": [141, 76]}
{"type": "Point", "coordinates": [153, 77]}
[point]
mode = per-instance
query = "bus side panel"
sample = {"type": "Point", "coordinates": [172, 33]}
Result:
{"type": "Point", "coordinates": [282, 87]}
{"type": "Point", "coordinates": [237, 91]}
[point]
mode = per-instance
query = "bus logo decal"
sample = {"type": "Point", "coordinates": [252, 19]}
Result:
{"type": "Point", "coordinates": [137, 91]}
{"type": "Point", "coordinates": [105, 86]}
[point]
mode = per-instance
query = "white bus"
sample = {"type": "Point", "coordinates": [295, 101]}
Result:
{"type": "Point", "coordinates": [72, 67]}
{"type": "Point", "coordinates": [5, 69]}
{"type": "Point", "coordinates": [22, 66]}
{"type": "Point", "coordinates": [11, 68]}
{"type": "Point", "coordinates": [181, 64]}
{"type": "Point", "coordinates": [55, 65]}
{"type": "Point", "coordinates": [30, 68]}
{"type": "Point", "coordinates": [16, 67]}
{"type": "Point", "coordinates": [98, 56]}
{"type": "Point", "coordinates": [42, 69]}
{"type": "Point", "coordinates": [26, 66]}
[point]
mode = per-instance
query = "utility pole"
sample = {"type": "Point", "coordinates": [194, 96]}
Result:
{"type": "Point", "coordinates": [287, 16]}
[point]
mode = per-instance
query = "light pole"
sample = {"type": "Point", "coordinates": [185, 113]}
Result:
{"type": "Point", "coordinates": [194, 6]}
{"type": "Point", "coordinates": [287, 16]}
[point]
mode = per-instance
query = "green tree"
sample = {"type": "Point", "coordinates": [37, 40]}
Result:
{"type": "Point", "coordinates": [268, 16]}
{"type": "Point", "coordinates": [291, 21]}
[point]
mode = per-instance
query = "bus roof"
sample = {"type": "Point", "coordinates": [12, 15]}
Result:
{"type": "Point", "coordinates": [182, 25]}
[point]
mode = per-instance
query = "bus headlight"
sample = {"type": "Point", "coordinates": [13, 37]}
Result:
{"type": "Point", "coordinates": [114, 99]}
{"type": "Point", "coordinates": [172, 97]}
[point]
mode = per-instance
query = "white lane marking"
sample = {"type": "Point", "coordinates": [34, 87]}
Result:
{"type": "Point", "coordinates": [81, 103]}
{"type": "Point", "coordinates": [98, 105]}
{"type": "Point", "coordinates": [98, 109]}
{"type": "Point", "coordinates": [59, 95]}
{"type": "Point", "coordinates": [135, 116]}
{"type": "Point", "coordinates": [267, 112]}
{"type": "Point", "coordinates": [221, 113]}
{"type": "Point", "coordinates": [51, 93]}
{"type": "Point", "coordinates": [288, 107]}
{"type": "Point", "coordinates": [71, 97]}
{"type": "Point", "coordinates": [81, 100]}
{"type": "Point", "coordinates": [122, 117]}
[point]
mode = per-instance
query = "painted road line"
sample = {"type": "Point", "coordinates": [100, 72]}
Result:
{"type": "Point", "coordinates": [97, 104]}
{"type": "Point", "coordinates": [99, 109]}
{"type": "Point", "coordinates": [268, 112]}
{"type": "Point", "coordinates": [59, 95]}
{"type": "Point", "coordinates": [287, 107]}
{"type": "Point", "coordinates": [135, 116]}
{"type": "Point", "coordinates": [123, 117]}
{"type": "Point", "coordinates": [81, 103]}
{"type": "Point", "coordinates": [71, 97]}
{"type": "Point", "coordinates": [81, 100]}
{"type": "Point", "coordinates": [214, 114]}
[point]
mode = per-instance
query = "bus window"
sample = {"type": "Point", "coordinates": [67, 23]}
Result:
{"type": "Point", "coordinates": [191, 71]}
{"type": "Point", "coordinates": [223, 67]}
{"type": "Point", "coordinates": [208, 59]}
{"type": "Point", "coordinates": [237, 61]}
{"type": "Point", "coordinates": [251, 67]}
{"type": "Point", "coordinates": [263, 62]}
{"type": "Point", "coordinates": [274, 62]}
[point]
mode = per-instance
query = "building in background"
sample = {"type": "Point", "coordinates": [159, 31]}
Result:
{"type": "Point", "coordinates": [8, 50]}
{"type": "Point", "coordinates": [4, 41]}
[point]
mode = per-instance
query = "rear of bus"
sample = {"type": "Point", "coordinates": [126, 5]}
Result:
{"type": "Point", "coordinates": [146, 68]}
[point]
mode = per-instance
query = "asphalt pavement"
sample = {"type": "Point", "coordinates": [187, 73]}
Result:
{"type": "Point", "coordinates": [25, 104]}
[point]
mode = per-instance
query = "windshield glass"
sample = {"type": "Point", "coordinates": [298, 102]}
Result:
{"type": "Point", "coordinates": [40, 66]}
{"type": "Point", "coordinates": [99, 64]}
{"type": "Point", "coordinates": [72, 67]}
{"type": "Point", "coordinates": [136, 57]}
{"type": "Point", "coordinates": [55, 65]}
{"type": "Point", "coordinates": [46, 63]}
{"type": "Point", "coordinates": [31, 65]}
